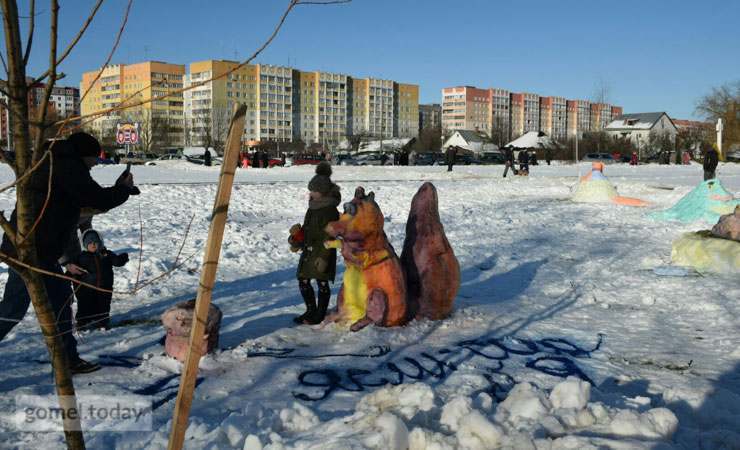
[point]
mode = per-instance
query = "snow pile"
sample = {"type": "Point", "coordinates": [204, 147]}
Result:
{"type": "Point", "coordinates": [412, 417]}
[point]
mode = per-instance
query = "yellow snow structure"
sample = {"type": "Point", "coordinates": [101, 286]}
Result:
{"type": "Point", "coordinates": [706, 253]}
{"type": "Point", "coordinates": [712, 251]}
{"type": "Point", "coordinates": [595, 187]}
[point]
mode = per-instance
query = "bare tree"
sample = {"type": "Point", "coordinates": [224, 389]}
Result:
{"type": "Point", "coordinates": [723, 103]}
{"type": "Point", "coordinates": [602, 91]}
{"type": "Point", "coordinates": [29, 131]}
{"type": "Point", "coordinates": [220, 119]}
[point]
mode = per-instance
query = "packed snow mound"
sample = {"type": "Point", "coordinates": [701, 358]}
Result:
{"type": "Point", "coordinates": [594, 191]}
{"type": "Point", "coordinates": [706, 202]}
{"type": "Point", "coordinates": [529, 417]}
{"type": "Point", "coordinates": [706, 253]}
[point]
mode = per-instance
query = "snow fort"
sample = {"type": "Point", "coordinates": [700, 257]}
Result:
{"type": "Point", "coordinates": [706, 202]}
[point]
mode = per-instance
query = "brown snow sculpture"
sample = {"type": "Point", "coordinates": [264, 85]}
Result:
{"type": "Point", "coordinates": [431, 268]}
{"type": "Point", "coordinates": [178, 321]}
{"type": "Point", "coordinates": [728, 226]}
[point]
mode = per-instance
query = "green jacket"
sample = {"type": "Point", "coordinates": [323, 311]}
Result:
{"type": "Point", "coordinates": [317, 262]}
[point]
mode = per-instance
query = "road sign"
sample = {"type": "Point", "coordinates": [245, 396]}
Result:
{"type": "Point", "coordinates": [127, 134]}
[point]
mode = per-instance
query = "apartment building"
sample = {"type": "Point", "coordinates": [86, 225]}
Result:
{"type": "Point", "coordinates": [553, 117]}
{"type": "Point", "coordinates": [430, 116]}
{"type": "Point", "coordinates": [320, 107]}
{"type": "Point", "coordinates": [405, 110]}
{"type": "Point", "coordinates": [467, 108]}
{"type": "Point", "coordinates": [120, 85]}
{"type": "Point", "coordinates": [601, 115]}
{"type": "Point", "coordinates": [498, 112]}
{"type": "Point", "coordinates": [64, 102]}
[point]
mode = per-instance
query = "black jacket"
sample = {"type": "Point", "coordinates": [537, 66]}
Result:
{"type": "Point", "coordinates": [72, 189]}
{"type": "Point", "coordinates": [523, 157]}
{"type": "Point", "coordinates": [711, 159]}
{"type": "Point", "coordinates": [99, 267]}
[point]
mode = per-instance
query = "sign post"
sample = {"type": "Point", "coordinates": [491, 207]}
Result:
{"type": "Point", "coordinates": [127, 134]}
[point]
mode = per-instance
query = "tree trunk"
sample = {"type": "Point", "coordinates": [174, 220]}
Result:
{"type": "Point", "coordinates": [27, 209]}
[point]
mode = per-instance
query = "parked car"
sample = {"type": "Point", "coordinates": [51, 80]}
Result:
{"type": "Point", "coordinates": [602, 157]}
{"type": "Point", "coordinates": [198, 159]}
{"type": "Point", "coordinates": [733, 156]}
{"type": "Point", "coordinates": [304, 159]}
{"type": "Point", "coordinates": [343, 159]}
{"type": "Point", "coordinates": [492, 158]}
{"type": "Point", "coordinates": [427, 159]}
{"type": "Point", "coordinates": [170, 157]}
{"type": "Point", "coordinates": [372, 159]}
{"type": "Point", "coordinates": [271, 161]}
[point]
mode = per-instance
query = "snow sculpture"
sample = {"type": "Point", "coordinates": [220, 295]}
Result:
{"type": "Point", "coordinates": [431, 268]}
{"type": "Point", "coordinates": [178, 321]}
{"type": "Point", "coordinates": [374, 288]}
{"type": "Point", "coordinates": [711, 251]}
{"type": "Point", "coordinates": [728, 226]}
{"type": "Point", "coordinates": [707, 202]}
{"type": "Point", "coordinates": [706, 253]}
{"type": "Point", "coordinates": [595, 187]}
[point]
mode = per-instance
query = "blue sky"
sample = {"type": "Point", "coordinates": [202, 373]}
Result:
{"type": "Point", "coordinates": [654, 55]}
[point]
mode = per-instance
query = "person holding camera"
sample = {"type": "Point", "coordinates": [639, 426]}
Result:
{"type": "Point", "coordinates": [72, 188]}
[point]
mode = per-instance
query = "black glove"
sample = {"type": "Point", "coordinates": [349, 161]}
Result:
{"type": "Point", "coordinates": [123, 258]}
{"type": "Point", "coordinates": [134, 191]}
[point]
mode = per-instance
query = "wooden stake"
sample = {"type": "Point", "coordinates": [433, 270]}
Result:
{"type": "Point", "coordinates": [207, 279]}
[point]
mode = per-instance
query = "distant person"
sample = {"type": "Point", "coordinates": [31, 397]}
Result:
{"type": "Point", "coordinates": [711, 159]}
{"type": "Point", "coordinates": [116, 158]}
{"type": "Point", "coordinates": [523, 162]}
{"type": "Point", "coordinates": [383, 159]}
{"type": "Point", "coordinates": [548, 156]}
{"type": "Point", "coordinates": [686, 158]}
{"type": "Point", "coordinates": [509, 161]}
{"type": "Point", "coordinates": [265, 160]}
{"type": "Point", "coordinates": [450, 155]}
{"type": "Point", "coordinates": [207, 158]}
{"type": "Point", "coordinates": [533, 159]}
{"type": "Point", "coordinates": [633, 159]}
{"type": "Point", "coordinates": [412, 158]}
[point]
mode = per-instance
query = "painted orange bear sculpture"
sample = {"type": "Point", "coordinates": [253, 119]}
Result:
{"type": "Point", "coordinates": [374, 288]}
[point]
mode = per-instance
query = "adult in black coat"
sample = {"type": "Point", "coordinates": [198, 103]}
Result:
{"type": "Point", "coordinates": [207, 158]}
{"type": "Point", "coordinates": [265, 160]}
{"type": "Point", "coordinates": [72, 188]}
{"type": "Point", "coordinates": [450, 155]}
{"type": "Point", "coordinates": [524, 161]}
{"type": "Point", "coordinates": [93, 307]}
{"type": "Point", "coordinates": [711, 159]}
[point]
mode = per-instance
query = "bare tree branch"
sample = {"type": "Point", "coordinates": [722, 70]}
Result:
{"type": "Point", "coordinates": [31, 25]}
{"type": "Point", "coordinates": [76, 39]}
{"type": "Point", "coordinates": [43, 111]}
{"type": "Point", "coordinates": [110, 55]}
{"type": "Point", "coordinates": [7, 228]}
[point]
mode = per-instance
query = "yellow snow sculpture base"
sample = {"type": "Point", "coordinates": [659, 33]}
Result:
{"type": "Point", "coordinates": [706, 253]}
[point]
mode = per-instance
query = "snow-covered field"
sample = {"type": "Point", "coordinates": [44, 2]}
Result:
{"type": "Point", "coordinates": [550, 289]}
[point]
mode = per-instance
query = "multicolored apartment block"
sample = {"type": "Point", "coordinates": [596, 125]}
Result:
{"type": "Point", "coordinates": [284, 104]}
{"type": "Point", "coordinates": [510, 114]}
{"type": "Point", "coordinates": [120, 85]}
{"type": "Point", "coordinates": [64, 102]}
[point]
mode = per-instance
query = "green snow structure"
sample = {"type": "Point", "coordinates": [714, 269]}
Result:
{"type": "Point", "coordinates": [706, 202]}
